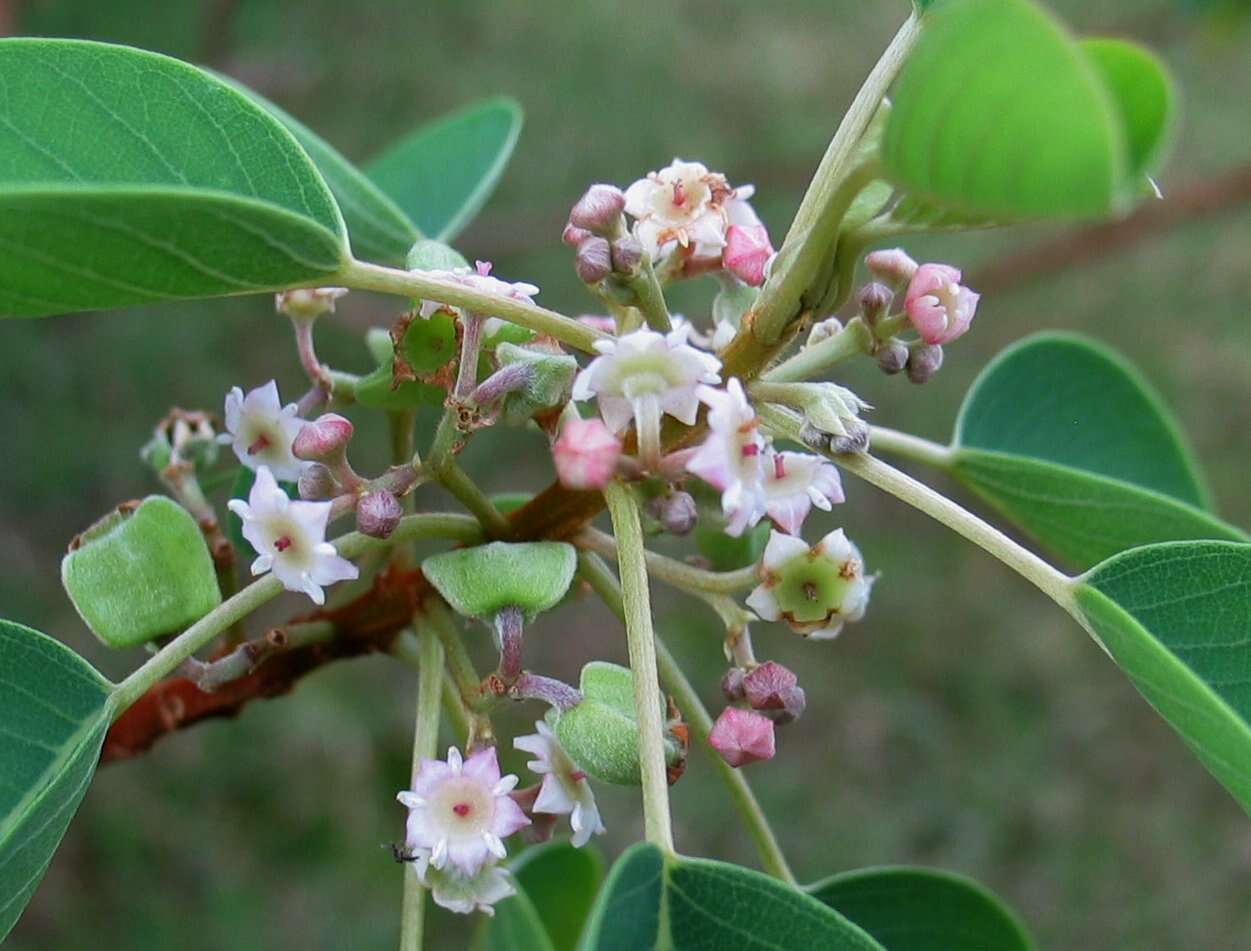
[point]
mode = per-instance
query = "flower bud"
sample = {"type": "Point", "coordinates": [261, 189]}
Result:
{"type": "Point", "coordinates": [593, 262]}
{"type": "Point", "coordinates": [627, 256]}
{"type": "Point", "coordinates": [893, 357]}
{"type": "Point", "coordinates": [378, 513]}
{"type": "Point", "coordinates": [586, 454]}
{"type": "Point", "coordinates": [308, 303]}
{"type": "Point", "coordinates": [874, 299]}
{"type": "Point", "coordinates": [747, 252]}
{"type": "Point", "coordinates": [742, 737]}
{"type": "Point", "coordinates": [574, 236]}
{"type": "Point", "coordinates": [732, 685]}
{"type": "Point", "coordinates": [774, 691]}
{"type": "Point", "coordinates": [894, 267]}
{"type": "Point", "coordinates": [676, 512]}
{"type": "Point", "coordinates": [599, 210]}
{"type": "Point", "coordinates": [823, 330]}
{"type": "Point", "coordinates": [939, 306]}
{"type": "Point", "coordinates": [324, 439]}
{"type": "Point", "coordinates": [317, 484]}
{"type": "Point", "coordinates": [923, 362]}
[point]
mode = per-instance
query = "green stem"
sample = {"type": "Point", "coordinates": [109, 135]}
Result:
{"type": "Point", "coordinates": [651, 299]}
{"type": "Point", "coordinates": [373, 277]}
{"type": "Point", "coordinates": [642, 647]}
{"type": "Point", "coordinates": [234, 609]}
{"type": "Point", "coordinates": [1052, 582]}
{"type": "Point", "coordinates": [815, 360]}
{"type": "Point", "coordinates": [912, 447]}
{"type": "Point", "coordinates": [593, 570]}
{"type": "Point", "coordinates": [672, 571]}
{"type": "Point", "coordinates": [425, 746]}
{"type": "Point", "coordinates": [407, 650]}
{"type": "Point", "coordinates": [457, 481]}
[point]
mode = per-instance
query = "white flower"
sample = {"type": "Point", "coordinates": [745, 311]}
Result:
{"type": "Point", "coordinates": [565, 790]}
{"type": "Point", "coordinates": [687, 206]}
{"type": "Point", "coordinates": [814, 590]}
{"type": "Point", "coordinates": [308, 303]}
{"type": "Point", "coordinates": [643, 375]}
{"type": "Point", "coordinates": [456, 891]}
{"type": "Point", "coordinates": [260, 430]}
{"type": "Point", "coordinates": [796, 481]}
{"type": "Point", "coordinates": [461, 811]}
{"type": "Point", "coordinates": [290, 538]}
{"type": "Point", "coordinates": [479, 279]}
{"type": "Point", "coordinates": [730, 458]}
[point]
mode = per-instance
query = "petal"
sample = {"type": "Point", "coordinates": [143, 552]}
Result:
{"type": "Point", "coordinates": [553, 798]}
{"type": "Point", "coordinates": [482, 766]}
{"type": "Point", "coordinates": [508, 818]}
{"type": "Point", "coordinates": [782, 548]}
{"type": "Point", "coordinates": [763, 602]}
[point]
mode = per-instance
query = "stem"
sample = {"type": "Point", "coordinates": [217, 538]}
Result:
{"type": "Point", "coordinates": [813, 361]}
{"type": "Point", "coordinates": [407, 649]}
{"type": "Point", "coordinates": [651, 299]}
{"type": "Point", "coordinates": [457, 481]}
{"type": "Point", "coordinates": [373, 277]}
{"type": "Point", "coordinates": [234, 609]}
{"type": "Point", "coordinates": [470, 345]}
{"type": "Point", "coordinates": [1052, 582]}
{"type": "Point", "coordinates": [912, 447]}
{"type": "Point", "coordinates": [510, 638]}
{"type": "Point", "coordinates": [593, 570]}
{"type": "Point", "coordinates": [642, 646]}
{"type": "Point", "coordinates": [672, 571]}
{"type": "Point", "coordinates": [425, 745]}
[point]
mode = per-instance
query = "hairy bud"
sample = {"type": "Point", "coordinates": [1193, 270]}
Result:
{"type": "Point", "coordinates": [823, 330]}
{"type": "Point", "coordinates": [599, 209]}
{"type": "Point", "coordinates": [574, 236]}
{"type": "Point", "coordinates": [924, 362]}
{"type": "Point", "coordinates": [627, 256]}
{"type": "Point", "coordinates": [742, 737]}
{"type": "Point", "coordinates": [586, 454]}
{"type": "Point", "coordinates": [317, 484]}
{"type": "Point", "coordinates": [324, 439]}
{"type": "Point", "coordinates": [874, 299]}
{"type": "Point", "coordinates": [378, 513]}
{"type": "Point", "coordinates": [732, 685]}
{"type": "Point", "coordinates": [893, 267]}
{"type": "Point", "coordinates": [774, 691]}
{"type": "Point", "coordinates": [893, 357]}
{"type": "Point", "coordinates": [593, 262]}
{"type": "Point", "coordinates": [676, 511]}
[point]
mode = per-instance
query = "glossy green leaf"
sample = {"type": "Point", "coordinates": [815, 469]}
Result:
{"type": "Point", "coordinates": [921, 909]}
{"type": "Point", "coordinates": [998, 113]}
{"type": "Point", "coordinates": [53, 717]}
{"type": "Point", "coordinates": [442, 174]}
{"type": "Point", "coordinates": [1065, 439]}
{"type": "Point", "coordinates": [654, 901]}
{"type": "Point", "coordinates": [378, 230]}
{"type": "Point", "coordinates": [561, 882]}
{"type": "Point", "coordinates": [1177, 618]}
{"type": "Point", "coordinates": [1143, 92]}
{"type": "Point", "coordinates": [126, 176]}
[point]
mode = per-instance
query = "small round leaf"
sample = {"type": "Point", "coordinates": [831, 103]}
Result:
{"type": "Point", "coordinates": [479, 582]}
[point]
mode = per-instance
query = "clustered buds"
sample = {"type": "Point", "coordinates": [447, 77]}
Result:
{"type": "Point", "coordinates": [742, 736]}
{"type": "Point", "coordinates": [586, 454]}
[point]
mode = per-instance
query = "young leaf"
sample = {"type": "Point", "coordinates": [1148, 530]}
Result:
{"type": "Point", "coordinates": [651, 900]}
{"type": "Point", "coordinates": [53, 717]}
{"type": "Point", "coordinates": [920, 909]}
{"type": "Point", "coordinates": [126, 177]}
{"type": "Point", "coordinates": [997, 113]}
{"type": "Point", "coordinates": [1143, 91]}
{"type": "Point", "coordinates": [1177, 618]}
{"type": "Point", "coordinates": [479, 581]}
{"type": "Point", "coordinates": [1064, 438]}
{"type": "Point", "coordinates": [379, 231]}
{"type": "Point", "coordinates": [442, 174]}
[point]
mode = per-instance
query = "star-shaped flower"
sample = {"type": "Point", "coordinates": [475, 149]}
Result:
{"type": "Point", "coordinates": [261, 430]}
{"type": "Point", "coordinates": [565, 789]}
{"type": "Point", "coordinates": [939, 306]}
{"type": "Point", "coordinates": [730, 458]}
{"type": "Point", "coordinates": [686, 206]}
{"type": "Point", "coordinates": [796, 481]}
{"type": "Point", "coordinates": [814, 590]}
{"type": "Point", "coordinates": [456, 891]}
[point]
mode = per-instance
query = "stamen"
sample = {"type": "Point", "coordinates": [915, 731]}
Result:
{"type": "Point", "coordinates": [679, 195]}
{"type": "Point", "coordinates": [779, 467]}
{"type": "Point", "coordinates": [261, 444]}
{"type": "Point", "coordinates": [751, 449]}
{"type": "Point", "coordinates": [577, 775]}
{"type": "Point", "coordinates": [810, 591]}
{"type": "Point", "coordinates": [283, 543]}
{"type": "Point", "coordinates": [461, 809]}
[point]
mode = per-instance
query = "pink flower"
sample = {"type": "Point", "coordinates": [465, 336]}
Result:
{"type": "Point", "coordinates": [747, 251]}
{"type": "Point", "coordinates": [565, 790]}
{"type": "Point", "coordinates": [793, 483]}
{"type": "Point", "coordinates": [586, 454]}
{"type": "Point", "coordinates": [461, 812]}
{"type": "Point", "coordinates": [742, 736]}
{"type": "Point", "coordinates": [730, 458]}
{"type": "Point", "coordinates": [938, 305]}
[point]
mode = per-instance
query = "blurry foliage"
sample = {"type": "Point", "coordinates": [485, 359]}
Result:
{"type": "Point", "coordinates": [966, 723]}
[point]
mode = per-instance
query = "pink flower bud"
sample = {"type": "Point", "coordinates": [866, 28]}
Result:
{"type": "Point", "coordinates": [627, 255]}
{"type": "Point", "coordinates": [893, 357]}
{"type": "Point", "coordinates": [378, 513]}
{"type": "Point", "coordinates": [675, 511]}
{"type": "Point", "coordinates": [599, 322]}
{"type": "Point", "coordinates": [317, 484]}
{"type": "Point", "coordinates": [586, 454]}
{"type": "Point", "coordinates": [593, 262]}
{"type": "Point", "coordinates": [939, 306]}
{"type": "Point", "coordinates": [775, 691]}
{"type": "Point", "coordinates": [599, 210]}
{"type": "Point", "coordinates": [923, 363]}
{"type": "Point", "coordinates": [893, 267]}
{"type": "Point", "coordinates": [874, 299]}
{"type": "Point", "coordinates": [324, 439]}
{"type": "Point", "coordinates": [574, 236]}
{"type": "Point", "coordinates": [732, 685]}
{"type": "Point", "coordinates": [742, 736]}
{"type": "Point", "coordinates": [747, 251]}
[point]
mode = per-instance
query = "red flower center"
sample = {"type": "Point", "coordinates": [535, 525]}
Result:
{"type": "Point", "coordinates": [461, 809]}
{"type": "Point", "coordinates": [283, 543]}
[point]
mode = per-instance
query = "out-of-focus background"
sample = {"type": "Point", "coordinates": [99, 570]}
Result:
{"type": "Point", "coordinates": [965, 723]}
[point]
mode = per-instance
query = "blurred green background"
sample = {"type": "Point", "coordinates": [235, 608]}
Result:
{"type": "Point", "coordinates": [965, 723]}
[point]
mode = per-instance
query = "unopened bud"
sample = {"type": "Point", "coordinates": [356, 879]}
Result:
{"type": "Point", "coordinates": [742, 737]}
{"type": "Point", "coordinates": [599, 210]}
{"type": "Point", "coordinates": [676, 512]}
{"type": "Point", "coordinates": [378, 513]}
{"type": "Point", "coordinates": [893, 267]}
{"type": "Point", "coordinates": [573, 236]}
{"type": "Point", "coordinates": [747, 252]}
{"type": "Point", "coordinates": [823, 330]}
{"type": "Point", "coordinates": [874, 300]}
{"type": "Point", "coordinates": [324, 439]}
{"type": "Point", "coordinates": [317, 484]}
{"type": "Point", "coordinates": [923, 362]}
{"type": "Point", "coordinates": [774, 691]}
{"type": "Point", "coordinates": [308, 303]}
{"type": "Point", "coordinates": [732, 685]}
{"type": "Point", "coordinates": [627, 255]}
{"type": "Point", "coordinates": [593, 262]}
{"type": "Point", "coordinates": [586, 454]}
{"type": "Point", "coordinates": [893, 357]}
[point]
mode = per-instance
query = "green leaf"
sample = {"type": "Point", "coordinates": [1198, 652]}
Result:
{"type": "Point", "coordinates": [561, 882]}
{"type": "Point", "coordinates": [443, 173]}
{"type": "Point", "coordinates": [141, 573]}
{"type": "Point", "coordinates": [481, 581]}
{"type": "Point", "coordinates": [53, 717]}
{"type": "Point", "coordinates": [920, 909]}
{"type": "Point", "coordinates": [514, 925]}
{"type": "Point", "coordinates": [1065, 439]}
{"type": "Point", "coordinates": [998, 113]}
{"type": "Point", "coordinates": [1177, 618]}
{"type": "Point", "coordinates": [126, 176]}
{"type": "Point", "coordinates": [655, 901]}
{"type": "Point", "coordinates": [378, 229]}
{"type": "Point", "coordinates": [1143, 91]}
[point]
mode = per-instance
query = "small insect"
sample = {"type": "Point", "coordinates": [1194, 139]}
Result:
{"type": "Point", "coordinates": [400, 852]}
